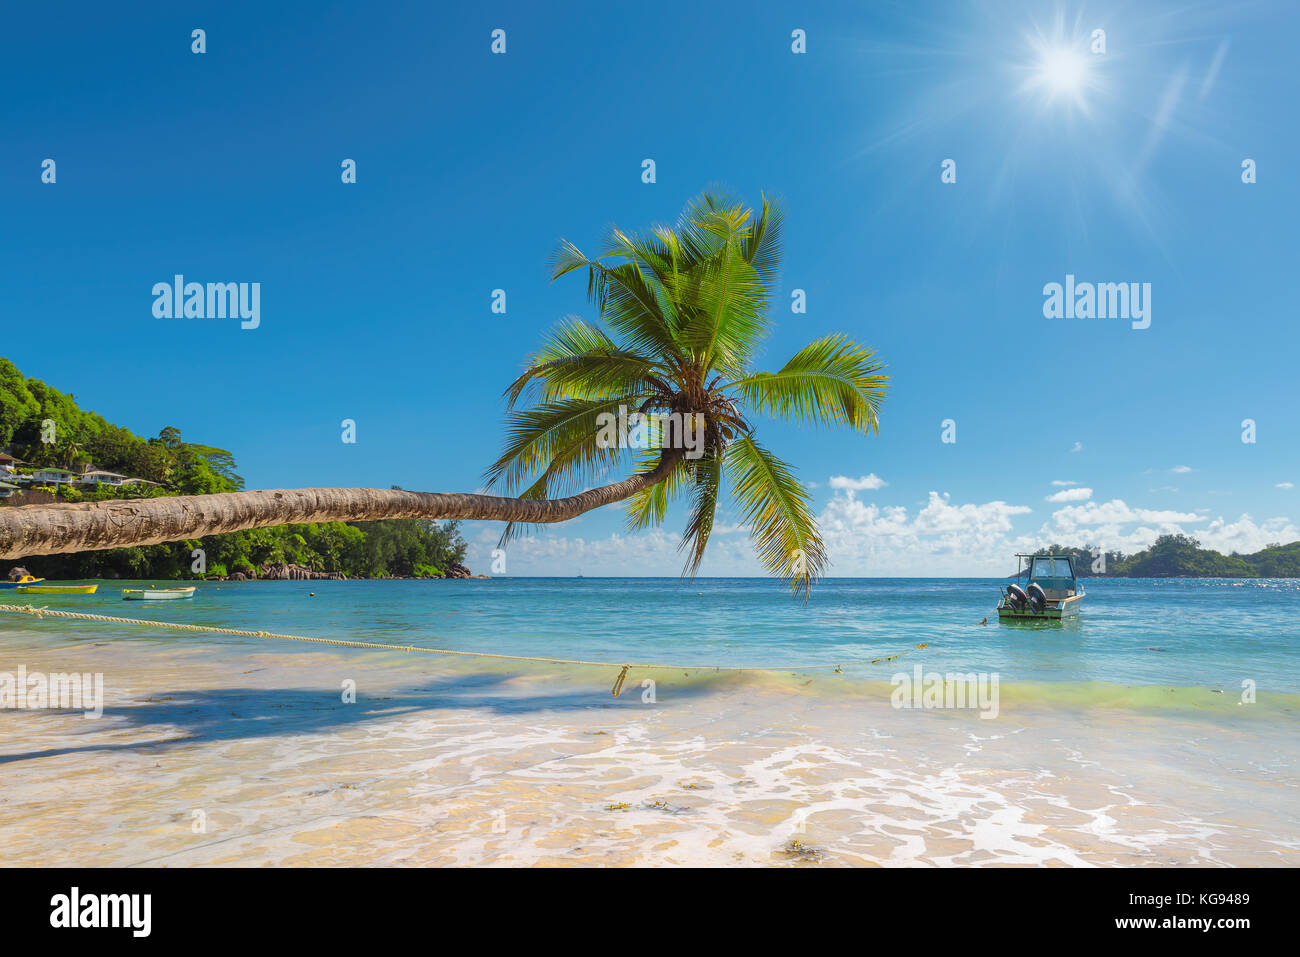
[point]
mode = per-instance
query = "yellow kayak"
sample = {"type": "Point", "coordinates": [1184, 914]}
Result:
{"type": "Point", "coordinates": [58, 589]}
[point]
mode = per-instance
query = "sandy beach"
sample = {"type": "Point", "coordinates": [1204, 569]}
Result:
{"type": "Point", "coordinates": [213, 754]}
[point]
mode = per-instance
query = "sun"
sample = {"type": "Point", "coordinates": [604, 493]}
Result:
{"type": "Point", "coordinates": [1062, 71]}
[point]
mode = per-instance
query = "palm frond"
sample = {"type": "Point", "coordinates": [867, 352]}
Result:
{"type": "Point", "coordinates": [565, 433]}
{"type": "Point", "coordinates": [709, 222]}
{"type": "Point", "coordinates": [830, 381]}
{"type": "Point", "coordinates": [649, 506]}
{"type": "Point", "coordinates": [706, 475]}
{"type": "Point", "coordinates": [580, 361]}
{"type": "Point", "coordinates": [727, 311]}
{"type": "Point", "coordinates": [762, 245]}
{"type": "Point", "coordinates": [776, 509]}
{"type": "Point", "coordinates": [628, 301]}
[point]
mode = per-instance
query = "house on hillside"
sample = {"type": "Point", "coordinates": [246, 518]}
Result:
{"type": "Point", "coordinates": [49, 475]}
{"type": "Point", "coordinates": [98, 477]}
{"type": "Point", "coordinates": [6, 489]}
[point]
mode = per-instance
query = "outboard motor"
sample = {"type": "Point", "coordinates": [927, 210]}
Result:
{"type": "Point", "coordinates": [1017, 596]}
{"type": "Point", "coordinates": [1037, 597]}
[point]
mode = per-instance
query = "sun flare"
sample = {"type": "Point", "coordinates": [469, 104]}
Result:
{"type": "Point", "coordinates": [1062, 71]}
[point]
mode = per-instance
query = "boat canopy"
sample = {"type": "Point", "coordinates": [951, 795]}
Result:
{"type": "Point", "coordinates": [1042, 567]}
{"type": "Point", "coordinates": [1051, 567]}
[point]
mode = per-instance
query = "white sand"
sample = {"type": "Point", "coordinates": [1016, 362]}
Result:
{"type": "Point", "coordinates": [446, 762]}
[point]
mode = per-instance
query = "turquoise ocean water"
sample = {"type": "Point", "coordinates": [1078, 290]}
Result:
{"type": "Point", "coordinates": [1175, 632]}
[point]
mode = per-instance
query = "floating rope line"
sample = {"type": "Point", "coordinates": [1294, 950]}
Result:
{"type": "Point", "coordinates": [378, 646]}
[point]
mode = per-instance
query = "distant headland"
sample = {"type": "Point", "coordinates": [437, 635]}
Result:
{"type": "Point", "coordinates": [1181, 556]}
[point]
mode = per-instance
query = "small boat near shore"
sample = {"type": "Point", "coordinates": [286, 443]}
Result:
{"type": "Point", "coordinates": [56, 589]}
{"type": "Point", "coordinates": [1051, 593]}
{"type": "Point", "coordinates": [21, 581]}
{"type": "Point", "coordinates": [156, 594]}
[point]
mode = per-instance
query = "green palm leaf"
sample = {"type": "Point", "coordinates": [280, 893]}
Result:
{"type": "Point", "coordinates": [580, 361]}
{"type": "Point", "coordinates": [648, 507]}
{"type": "Point", "coordinates": [628, 301]}
{"type": "Point", "coordinates": [563, 434]}
{"type": "Point", "coordinates": [762, 246]}
{"type": "Point", "coordinates": [706, 474]}
{"type": "Point", "coordinates": [831, 381]}
{"type": "Point", "coordinates": [776, 509]}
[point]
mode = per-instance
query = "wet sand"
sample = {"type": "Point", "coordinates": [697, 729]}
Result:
{"type": "Point", "coordinates": [245, 754]}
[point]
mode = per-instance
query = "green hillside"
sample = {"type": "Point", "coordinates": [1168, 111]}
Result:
{"type": "Point", "coordinates": [45, 427]}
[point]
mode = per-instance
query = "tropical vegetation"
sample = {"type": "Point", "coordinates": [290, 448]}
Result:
{"type": "Point", "coordinates": [1181, 556]}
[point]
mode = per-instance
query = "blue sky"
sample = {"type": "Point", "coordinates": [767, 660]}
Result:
{"type": "Point", "coordinates": [376, 296]}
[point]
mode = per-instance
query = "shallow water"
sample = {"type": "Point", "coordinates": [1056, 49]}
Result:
{"type": "Point", "coordinates": [1101, 751]}
{"type": "Point", "coordinates": [1176, 632]}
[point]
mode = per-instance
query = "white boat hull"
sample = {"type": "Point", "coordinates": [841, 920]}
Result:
{"type": "Point", "coordinates": [159, 594]}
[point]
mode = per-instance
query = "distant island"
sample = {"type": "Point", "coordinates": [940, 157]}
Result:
{"type": "Point", "coordinates": [1181, 556]}
{"type": "Point", "coordinates": [53, 451]}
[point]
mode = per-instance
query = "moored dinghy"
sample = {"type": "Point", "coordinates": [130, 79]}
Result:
{"type": "Point", "coordinates": [1052, 592]}
{"type": "Point", "coordinates": [20, 581]}
{"type": "Point", "coordinates": [55, 589]}
{"type": "Point", "coordinates": [157, 594]}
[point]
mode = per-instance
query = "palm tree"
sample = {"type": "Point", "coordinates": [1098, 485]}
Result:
{"type": "Point", "coordinates": [682, 312]}
{"type": "Point", "coordinates": [75, 453]}
{"type": "Point", "coordinates": [685, 311]}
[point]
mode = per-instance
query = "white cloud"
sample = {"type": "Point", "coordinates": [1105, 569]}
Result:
{"type": "Point", "coordinates": [1182, 469]}
{"type": "Point", "coordinates": [1071, 495]}
{"type": "Point", "coordinates": [1116, 512]}
{"type": "Point", "coordinates": [1063, 482]}
{"type": "Point", "coordinates": [1245, 536]}
{"type": "Point", "coordinates": [1078, 447]}
{"type": "Point", "coordinates": [941, 539]}
{"type": "Point", "coordinates": [865, 483]}
{"type": "Point", "coordinates": [1115, 525]}
{"type": "Point", "coordinates": [1285, 485]}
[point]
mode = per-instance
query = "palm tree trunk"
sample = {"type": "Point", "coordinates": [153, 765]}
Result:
{"type": "Point", "coordinates": [87, 526]}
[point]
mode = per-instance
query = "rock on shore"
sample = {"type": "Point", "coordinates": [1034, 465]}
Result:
{"type": "Point", "coordinates": [284, 571]}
